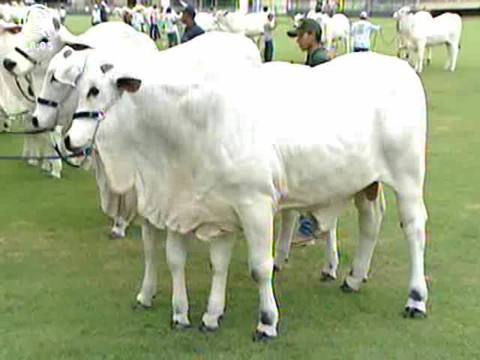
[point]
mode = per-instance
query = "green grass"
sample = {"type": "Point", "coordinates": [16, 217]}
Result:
{"type": "Point", "coordinates": [66, 289]}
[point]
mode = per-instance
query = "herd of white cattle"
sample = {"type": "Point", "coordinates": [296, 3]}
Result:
{"type": "Point", "coordinates": [186, 139]}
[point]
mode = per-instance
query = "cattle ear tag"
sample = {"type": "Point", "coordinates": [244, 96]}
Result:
{"type": "Point", "coordinates": [106, 68]}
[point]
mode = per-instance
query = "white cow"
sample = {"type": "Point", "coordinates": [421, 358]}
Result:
{"type": "Point", "coordinates": [41, 38]}
{"type": "Point", "coordinates": [251, 25]}
{"type": "Point", "coordinates": [334, 29]}
{"type": "Point", "coordinates": [213, 159]}
{"type": "Point", "coordinates": [420, 31]}
{"type": "Point", "coordinates": [15, 99]}
{"type": "Point", "coordinates": [206, 21]}
{"type": "Point", "coordinates": [110, 36]}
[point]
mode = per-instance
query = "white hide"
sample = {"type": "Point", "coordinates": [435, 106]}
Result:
{"type": "Point", "coordinates": [208, 157]}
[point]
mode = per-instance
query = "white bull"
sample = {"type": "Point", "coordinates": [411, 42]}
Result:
{"type": "Point", "coordinates": [251, 25]}
{"type": "Point", "coordinates": [420, 31]}
{"type": "Point", "coordinates": [206, 21]}
{"type": "Point", "coordinates": [14, 101]}
{"type": "Point", "coordinates": [42, 26]}
{"type": "Point", "coordinates": [41, 38]}
{"type": "Point", "coordinates": [334, 29]}
{"type": "Point", "coordinates": [213, 159]}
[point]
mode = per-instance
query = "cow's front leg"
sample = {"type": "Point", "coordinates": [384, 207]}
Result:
{"type": "Point", "coordinates": [288, 225]}
{"type": "Point", "coordinates": [149, 284]}
{"type": "Point", "coordinates": [329, 270]}
{"type": "Point", "coordinates": [256, 217]}
{"type": "Point", "coordinates": [220, 254]}
{"type": "Point", "coordinates": [176, 249]}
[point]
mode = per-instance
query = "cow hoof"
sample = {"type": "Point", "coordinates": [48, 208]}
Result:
{"type": "Point", "coordinates": [116, 235]}
{"type": "Point", "coordinates": [326, 277]}
{"type": "Point", "coordinates": [260, 336]}
{"type": "Point", "coordinates": [347, 289]}
{"type": "Point", "coordinates": [413, 313]}
{"type": "Point", "coordinates": [138, 306]}
{"type": "Point", "coordinates": [175, 325]}
{"type": "Point", "coordinates": [207, 329]}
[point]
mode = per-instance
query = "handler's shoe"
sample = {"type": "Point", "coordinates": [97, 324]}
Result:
{"type": "Point", "coordinates": [303, 240]}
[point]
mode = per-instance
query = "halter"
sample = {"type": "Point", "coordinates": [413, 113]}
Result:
{"type": "Point", "coordinates": [47, 102]}
{"type": "Point", "coordinates": [28, 95]}
{"type": "Point", "coordinates": [26, 56]}
{"type": "Point", "coordinates": [97, 116]}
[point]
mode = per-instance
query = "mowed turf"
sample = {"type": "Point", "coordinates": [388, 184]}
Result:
{"type": "Point", "coordinates": [66, 290]}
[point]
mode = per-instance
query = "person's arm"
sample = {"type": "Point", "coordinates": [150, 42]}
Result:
{"type": "Point", "coordinates": [375, 28]}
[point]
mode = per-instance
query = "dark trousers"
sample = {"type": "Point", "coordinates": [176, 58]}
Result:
{"type": "Point", "coordinates": [172, 39]}
{"type": "Point", "coordinates": [360, 49]}
{"type": "Point", "coordinates": [154, 33]}
{"type": "Point", "coordinates": [268, 52]}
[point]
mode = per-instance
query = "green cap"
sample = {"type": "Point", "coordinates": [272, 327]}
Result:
{"type": "Point", "coordinates": [306, 25]}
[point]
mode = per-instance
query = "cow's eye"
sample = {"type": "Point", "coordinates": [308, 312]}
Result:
{"type": "Point", "coordinates": [53, 79]}
{"type": "Point", "coordinates": [93, 92]}
{"type": "Point", "coordinates": [43, 40]}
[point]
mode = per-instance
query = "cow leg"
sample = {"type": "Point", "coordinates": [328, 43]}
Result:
{"type": "Point", "coordinates": [452, 57]}
{"type": "Point", "coordinates": [176, 249]}
{"type": "Point", "coordinates": [256, 218]}
{"type": "Point", "coordinates": [55, 166]}
{"type": "Point", "coordinates": [429, 55]}
{"type": "Point", "coordinates": [288, 225]}
{"type": "Point", "coordinates": [149, 284]}
{"type": "Point", "coordinates": [370, 216]}
{"type": "Point", "coordinates": [420, 56]}
{"type": "Point", "coordinates": [125, 214]}
{"type": "Point", "coordinates": [220, 254]}
{"type": "Point", "coordinates": [413, 217]}
{"type": "Point", "coordinates": [329, 270]}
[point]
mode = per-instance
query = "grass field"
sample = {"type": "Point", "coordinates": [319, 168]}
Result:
{"type": "Point", "coordinates": [66, 289]}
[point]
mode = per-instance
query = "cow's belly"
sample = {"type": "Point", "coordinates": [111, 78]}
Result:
{"type": "Point", "coordinates": [321, 176]}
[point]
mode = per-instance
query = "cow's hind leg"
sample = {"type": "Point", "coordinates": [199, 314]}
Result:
{"type": "Point", "coordinates": [288, 225]}
{"type": "Point", "coordinates": [176, 249]}
{"type": "Point", "coordinates": [413, 217]}
{"type": "Point", "coordinates": [220, 254]}
{"type": "Point", "coordinates": [371, 208]}
{"type": "Point", "coordinates": [452, 57]}
{"type": "Point", "coordinates": [149, 284]}
{"type": "Point", "coordinates": [256, 218]}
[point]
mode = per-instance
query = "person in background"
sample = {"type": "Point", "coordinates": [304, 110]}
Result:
{"type": "Point", "coordinates": [192, 30]}
{"type": "Point", "coordinates": [361, 32]}
{"type": "Point", "coordinates": [154, 33]}
{"type": "Point", "coordinates": [170, 21]}
{"type": "Point", "coordinates": [268, 28]}
{"type": "Point", "coordinates": [63, 14]}
{"type": "Point", "coordinates": [309, 35]}
{"type": "Point", "coordinates": [103, 11]}
{"type": "Point", "coordinates": [96, 18]}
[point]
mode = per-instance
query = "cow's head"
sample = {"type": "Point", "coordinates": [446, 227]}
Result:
{"type": "Point", "coordinates": [59, 83]}
{"type": "Point", "coordinates": [99, 88]}
{"type": "Point", "coordinates": [41, 38]}
{"type": "Point", "coordinates": [402, 12]}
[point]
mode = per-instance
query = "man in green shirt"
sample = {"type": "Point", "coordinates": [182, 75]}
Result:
{"type": "Point", "coordinates": [309, 36]}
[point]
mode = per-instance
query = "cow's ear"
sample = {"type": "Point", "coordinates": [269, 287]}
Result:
{"type": "Point", "coordinates": [71, 40]}
{"type": "Point", "coordinates": [129, 84]}
{"type": "Point", "coordinates": [106, 68]}
{"type": "Point", "coordinates": [14, 29]}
